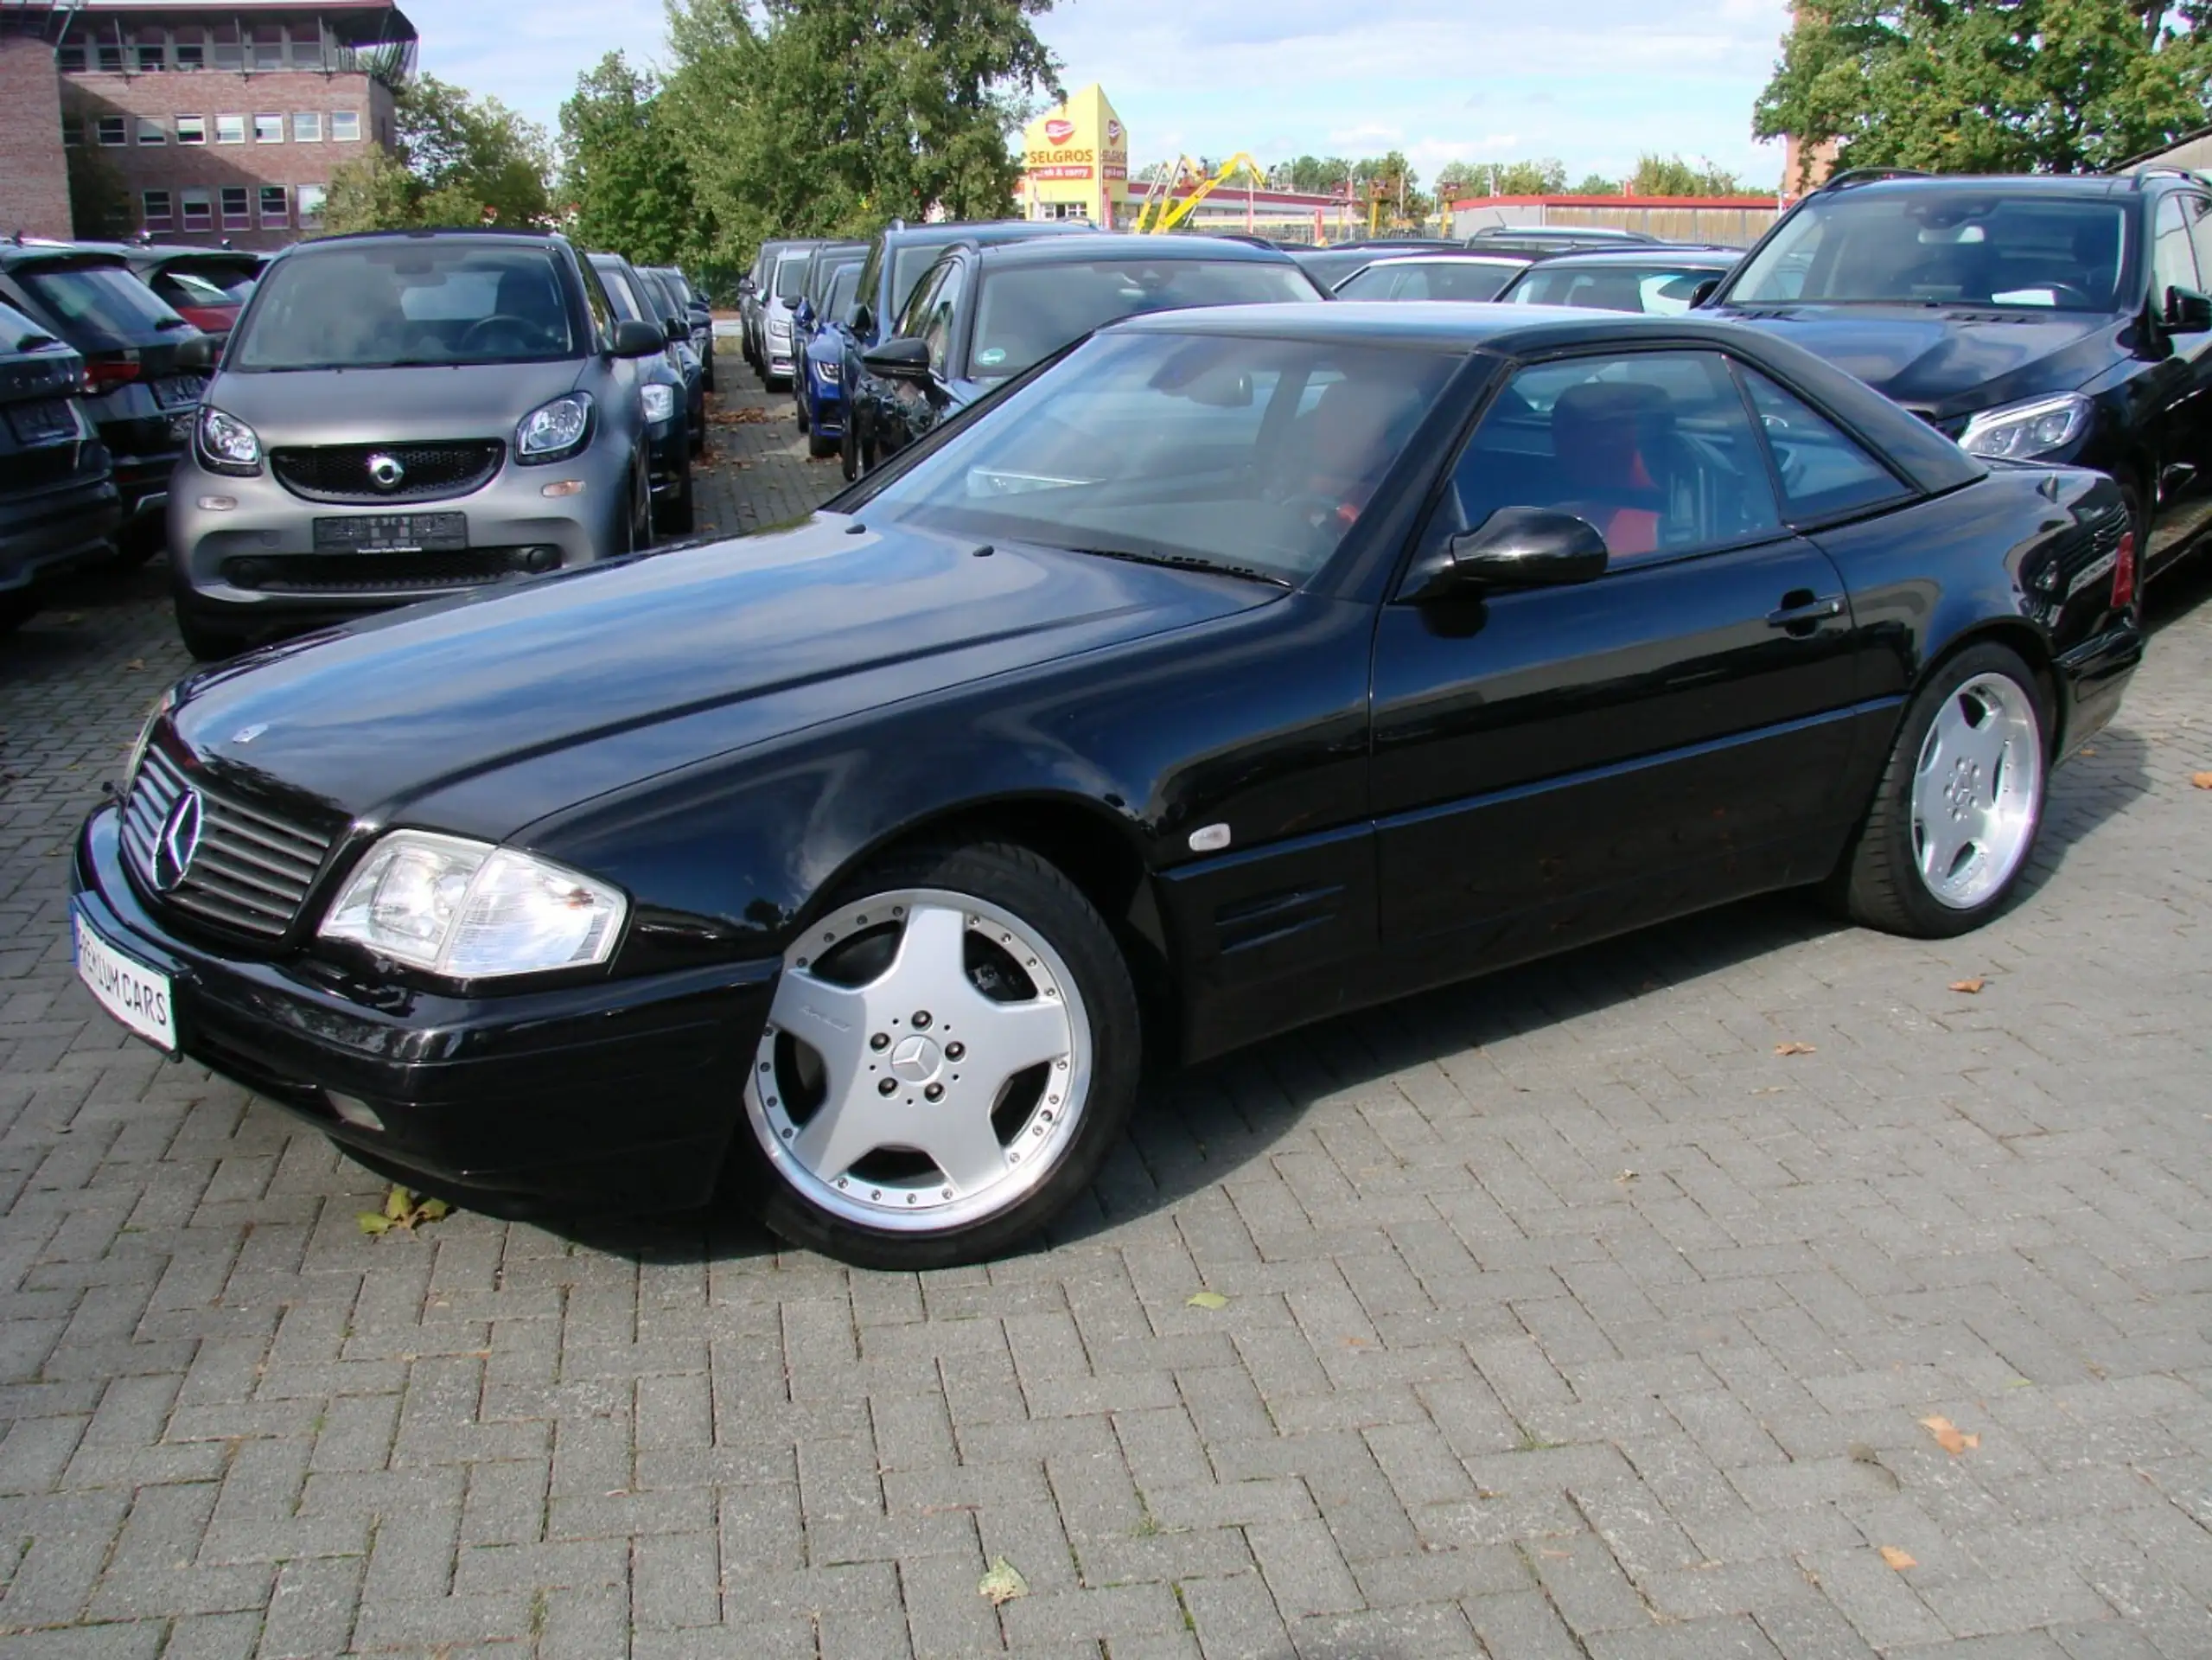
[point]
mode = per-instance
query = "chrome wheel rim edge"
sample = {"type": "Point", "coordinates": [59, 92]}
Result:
{"type": "Point", "coordinates": [1977, 791]}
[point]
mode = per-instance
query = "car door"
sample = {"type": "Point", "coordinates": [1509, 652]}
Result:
{"type": "Point", "coordinates": [1555, 764]}
{"type": "Point", "coordinates": [2182, 440]}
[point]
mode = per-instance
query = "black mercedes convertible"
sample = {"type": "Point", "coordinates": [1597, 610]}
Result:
{"type": "Point", "coordinates": [1228, 670]}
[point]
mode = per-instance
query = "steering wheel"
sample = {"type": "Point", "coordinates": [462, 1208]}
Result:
{"type": "Point", "coordinates": [522, 326]}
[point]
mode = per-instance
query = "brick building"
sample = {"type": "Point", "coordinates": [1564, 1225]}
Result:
{"type": "Point", "coordinates": [34, 173]}
{"type": "Point", "coordinates": [221, 119]}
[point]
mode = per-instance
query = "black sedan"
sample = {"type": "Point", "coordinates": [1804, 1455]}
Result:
{"type": "Point", "coordinates": [1449, 275]}
{"type": "Point", "coordinates": [1658, 282]}
{"type": "Point", "coordinates": [1239, 668]}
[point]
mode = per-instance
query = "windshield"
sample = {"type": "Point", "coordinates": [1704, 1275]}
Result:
{"type": "Point", "coordinates": [106, 306]}
{"type": "Point", "coordinates": [660, 305]}
{"type": "Point", "coordinates": [1022, 316]}
{"type": "Point", "coordinates": [183, 288]}
{"type": "Point", "coordinates": [1431, 279]}
{"type": "Point", "coordinates": [678, 283]}
{"type": "Point", "coordinates": [827, 263]}
{"type": "Point", "coordinates": [907, 263]}
{"type": "Point", "coordinates": [1330, 269]}
{"type": "Point", "coordinates": [629, 306]}
{"type": "Point", "coordinates": [790, 276]}
{"type": "Point", "coordinates": [843, 287]}
{"type": "Point", "coordinates": [19, 333]}
{"type": "Point", "coordinates": [1941, 247]}
{"type": "Point", "coordinates": [1657, 289]}
{"type": "Point", "coordinates": [1252, 456]}
{"type": "Point", "coordinates": [398, 304]}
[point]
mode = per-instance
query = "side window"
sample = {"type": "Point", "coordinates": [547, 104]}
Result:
{"type": "Point", "coordinates": [937, 321]}
{"type": "Point", "coordinates": [1823, 471]}
{"type": "Point", "coordinates": [2198, 211]}
{"type": "Point", "coordinates": [594, 300]}
{"type": "Point", "coordinates": [1655, 449]}
{"type": "Point", "coordinates": [2172, 264]}
{"type": "Point", "coordinates": [916, 317]}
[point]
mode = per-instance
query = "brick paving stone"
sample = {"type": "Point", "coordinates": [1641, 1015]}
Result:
{"type": "Point", "coordinates": [1566, 1317]}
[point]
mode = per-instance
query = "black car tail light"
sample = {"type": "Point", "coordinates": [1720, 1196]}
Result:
{"type": "Point", "coordinates": [104, 371]}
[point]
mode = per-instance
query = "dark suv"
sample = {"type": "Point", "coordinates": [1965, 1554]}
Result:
{"type": "Point", "coordinates": [138, 394]}
{"type": "Point", "coordinates": [2042, 319]}
{"type": "Point", "coordinates": [58, 504]}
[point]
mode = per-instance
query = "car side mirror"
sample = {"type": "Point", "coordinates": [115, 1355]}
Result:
{"type": "Point", "coordinates": [862, 320]}
{"type": "Point", "coordinates": [633, 337]}
{"type": "Point", "coordinates": [1519, 548]}
{"type": "Point", "coordinates": [804, 312]}
{"type": "Point", "coordinates": [1703, 291]}
{"type": "Point", "coordinates": [747, 287]}
{"type": "Point", "coordinates": [195, 353]}
{"type": "Point", "coordinates": [902, 359]}
{"type": "Point", "coordinates": [2188, 312]}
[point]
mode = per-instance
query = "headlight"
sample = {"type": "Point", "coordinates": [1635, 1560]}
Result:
{"type": "Point", "coordinates": [228, 445]}
{"type": "Point", "coordinates": [779, 328]}
{"type": "Point", "coordinates": [659, 401]}
{"type": "Point", "coordinates": [2019, 431]}
{"type": "Point", "coordinates": [556, 430]}
{"type": "Point", "coordinates": [471, 911]}
{"type": "Point", "coordinates": [829, 368]}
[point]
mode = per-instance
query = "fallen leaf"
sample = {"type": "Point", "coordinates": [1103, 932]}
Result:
{"type": "Point", "coordinates": [403, 1211]}
{"type": "Point", "coordinates": [431, 1211]}
{"type": "Point", "coordinates": [135, 662]}
{"type": "Point", "coordinates": [1795, 1049]}
{"type": "Point", "coordinates": [398, 1204]}
{"type": "Point", "coordinates": [1897, 1559]}
{"type": "Point", "coordinates": [2201, 780]}
{"type": "Point", "coordinates": [373, 1222]}
{"type": "Point", "coordinates": [1206, 1300]}
{"type": "Point", "coordinates": [1002, 1585]}
{"type": "Point", "coordinates": [1949, 1436]}
{"type": "Point", "coordinates": [1970, 988]}
{"type": "Point", "coordinates": [2088, 751]}
{"type": "Point", "coordinates": [1624, 1176]}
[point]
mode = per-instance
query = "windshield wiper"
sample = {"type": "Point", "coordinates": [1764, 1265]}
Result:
{"type": "Point", "coordinates": [1187, 562]}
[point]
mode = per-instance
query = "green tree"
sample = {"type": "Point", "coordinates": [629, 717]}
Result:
{"type": "Point", "coordinates": [100, 208]}
{"type": "Point", "coordinates": [1670, 176]}
{"type": "Point", "coordinates": [1597, 184]}
{"type": "Point", "coordinates": [461, 162]}
{"type": "Point", "coordinates": [1311, 176]}
{"type": "Point", "coordinates": [1545, 177]}
{"type": "Point", "coordinates": [1989, 86]}
{"type": "Point", "coordinates": [372, 193]}
{"type": "Point", "coordinates": [625, 185]}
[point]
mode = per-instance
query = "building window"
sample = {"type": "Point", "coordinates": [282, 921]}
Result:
{"type": "Point", "coordinates": [269, 45]}
{"type": "Point", "coordinates": [110, 58]}
{"type": "Point", "coordinates": [113, 131]}
{"type": "Point", "coordinates": [311, 199]}
{"type": "Point", "coordinates": [230, 129]}
{"type": "Point", "coordinates": [268, 129]}
{"type": "Point", "coordinates": [192, 129]}
{"type": "Point", "coordinates": [199, 211]}
{"type": "Point", "coordinates": [306, 126]}
{"type": "Point", "coordinates": [152, 58]}
{"type": "Point", "coordinates": [235, 201]}
{"type": "Point", "coordinates": [72, 131]}
{"type": "Point", "coordinates": [229, 55]}
{"type": "Point", "coordinates": [345, 126]}
{"type": "Point", "coordinates": [69, 59]}
{"type": "Point", "coordinates": [306, 53]}
{"type": "Point", "coordinates": [150, 132]}
{"type": "Point", "coordinates": [275, 207]}
{"type": "Point", "coordinates": [155, 204]}
{"type": "Point", "coordinates": [187, 50]}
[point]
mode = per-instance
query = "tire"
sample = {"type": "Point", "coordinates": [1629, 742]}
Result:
{"type": "Point", "coordinates": [848, 453]}
{"type": "Point", "coordinates": [821, 448]}
{"type": "Point", "coordinates": [1982, 778]}
{"type": "Point", "coordinates": [640, 532]}
{"type": "Point", "coordinates": [709, 381]}
{"type": "Point", "coordinates": [206, 642]}
{"type": "Point", "coordinates": [799, 410]}
{"type": "Point", "coordinates": [139, 540]}
{"type": "Point", "coordinates": [1037, 976]}
{"type": "Point", "coordinates": [675, 518]}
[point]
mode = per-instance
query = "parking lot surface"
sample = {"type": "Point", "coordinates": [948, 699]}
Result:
{"type": "Point", "coordinates": [1749, 1286]}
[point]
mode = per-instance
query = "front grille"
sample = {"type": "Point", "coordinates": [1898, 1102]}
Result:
{"type": "Point", "coordinates": [252, 867]}
{"type": "Point", "coordinates": [340, 472]}
{"type": "Point", "coordinates": [371, 573]}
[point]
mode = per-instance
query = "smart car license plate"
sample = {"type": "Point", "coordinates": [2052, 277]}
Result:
{"type": "Point", "coordinates": [392, 532]}
{"type": "Point", "coordinates": [135, 994]}
{"type": "Point", "coordinates": [35, 422]}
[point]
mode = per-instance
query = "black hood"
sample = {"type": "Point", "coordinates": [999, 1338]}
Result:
{"type": "Point", "coordinates": [1954, 361]}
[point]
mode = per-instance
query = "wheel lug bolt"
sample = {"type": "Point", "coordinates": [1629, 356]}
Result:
{"type": "Point", "coordinates": [955, 1051]}
{"type": "Point", "coordinates": [935, 1092]}
{"type": "Point", "coordinates": [922, 1019]}
{"type": "Point", "coordinates": [881, 1040]}
{"type": "Point", "coordinates": [889, 1087]}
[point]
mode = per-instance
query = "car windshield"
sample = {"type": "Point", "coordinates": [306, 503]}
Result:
{"type": "Point", "coordinates": [843, 287]}
{"type": "Point", "coordinates": [372, 305]}
{"type": "Point", "coordinates": [678, 283]}
{"type": "Point", "coordinates": [1332, 268]}
{"type": "Point", "coordinates": [826, 266]}
{"type": "Point", "coordinates": [1658, 290]}
{"type": "Point", "coordinates": [628, 303]}
{"type": "Point", "coordinates": [790, 276]}
{"type": "Point", "coordinates": [1431, 279]}
{"type": "Point", "coordinates": [105, 306]}
{"type": "Point", "coordinates": [189, 288]}
{"type": "Point", "coordinates": [660, 305]}
{"type": "Point", "coordinates": [1967, 246]}
{"type": "Point", "coordinates": [907, 263]}
{"type": "Point", "coordinates": [19, 333]}
{"type": "Point", "coordinates": [1025, 315]}
{"type": "Point", "coordinates": [1254, 456]}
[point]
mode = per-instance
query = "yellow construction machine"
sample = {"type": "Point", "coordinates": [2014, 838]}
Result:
{"type": "Point", "coordinates": [1160, 211]}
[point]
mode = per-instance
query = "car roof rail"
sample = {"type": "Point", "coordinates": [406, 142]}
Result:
{"type": "Point", "coordinates": [2142, 175]}
{"type": "Point", "coordinates": [1851, 175]}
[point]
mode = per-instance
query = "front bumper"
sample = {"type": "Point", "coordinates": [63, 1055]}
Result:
{"type": "Point", "coordinates": [621, 1094]}
{"type": "Point", "coordinates": [57, 531]}
{"type": "Point", "coordinates": [668, 453]}
{"type": "Point", "coordinates": [826, 406]}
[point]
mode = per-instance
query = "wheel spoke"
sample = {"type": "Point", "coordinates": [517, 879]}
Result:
{"type": "Point", "coordinates": [847, 1128]}
{"type": "Point", "coordinates": [1941, 839]}
{"type": "Point", "coordinates": [959, 1136]}
{"type": "Point", "coordinates": [1011, 1038]}
{"type": "Point", "coordinates": [831, 1019]}
{"type": "Point", "coordinates": [931, 966]}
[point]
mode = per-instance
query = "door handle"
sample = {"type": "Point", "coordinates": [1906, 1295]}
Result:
{"type": "Point", "coordinates": [1800, 613]}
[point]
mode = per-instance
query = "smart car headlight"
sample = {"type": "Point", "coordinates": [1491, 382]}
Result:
{"type": "Point", "coordinates": [469, 910]}
{"type": "Point", "coordinates": [2024, 430]}
{"type": "Point", "coordinates": [659, 401]}
{"type": "Point", "coordinates": [554, 431]}
{"type": "Point", "coordinates": [228, 445]}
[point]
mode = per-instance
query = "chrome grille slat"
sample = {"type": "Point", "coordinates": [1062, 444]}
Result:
{"type": "Point", "coordinates": [253, 867]}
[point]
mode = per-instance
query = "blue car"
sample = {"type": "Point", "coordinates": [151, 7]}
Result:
{"type": "Point", "coordinates": [820, 382]}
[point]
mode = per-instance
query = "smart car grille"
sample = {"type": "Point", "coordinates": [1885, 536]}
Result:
{"type": "Point", "coordinates": [340, 472]}
{"type": "Point", "coordinates": [252, 867]}
{"type": "Point", "coordinates": [375, 573]}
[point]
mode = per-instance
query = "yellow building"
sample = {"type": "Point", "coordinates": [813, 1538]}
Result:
{"type": "Point", "coordinates": [1076, 161]}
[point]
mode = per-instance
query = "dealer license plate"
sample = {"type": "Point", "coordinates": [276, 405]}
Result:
{"type": "Point", "coordinates": [35, 422]}
{"type": "Point", "coordinates": [392, 532]}
{"type": "Point", "coordinates": [135, 994]}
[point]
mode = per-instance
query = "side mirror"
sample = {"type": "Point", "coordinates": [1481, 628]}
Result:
{"type": "Point", "coordinates": [195, 353]}
{"type": "Point", "coordinates": [902, 359]}
{"type": "Point", "coordinates": [861, 320]}
{"type": "Point", "coordinates": [804, 313]}
{"type": "Point", "coordinates": [2188, 312]}
{"type": "Point", "coordinates": [747, 287]}
{"type": "Point", "coordinates": [1519, 548]}
{"type": "Point", "coordinates": [633, 338]}
{"type": "Point", "coordinates": [1703, 291]}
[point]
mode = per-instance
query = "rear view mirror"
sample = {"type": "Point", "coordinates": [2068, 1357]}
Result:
{"type": "Point", "coordinates": [635, 338]}
{"type": "Point", "coordinates": [902, 359]}
{"type": "Point", "coordinates": [2188, 312]}
{"type": "Point", "coordinates": [1703, 292]}
{"type": "Point", "coordinates": [1521, 547]}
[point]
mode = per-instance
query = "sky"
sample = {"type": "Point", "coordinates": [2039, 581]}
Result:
{"type": "Point", "coordinates": [1595, 85]}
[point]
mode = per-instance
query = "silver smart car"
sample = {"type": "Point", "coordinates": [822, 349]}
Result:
{"type": "Point", "coordinates": [403, 415]}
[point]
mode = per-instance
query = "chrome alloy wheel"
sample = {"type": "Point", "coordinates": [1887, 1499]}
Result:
{"type": "Point", "coordinates": [925, 1064]}
{"type": "Point", "coordinates": [1976, 792]}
